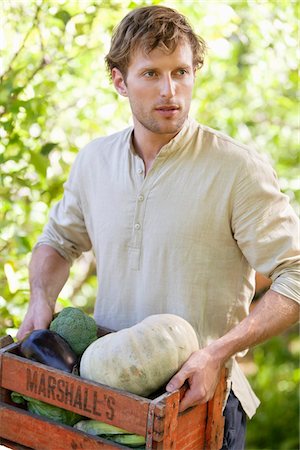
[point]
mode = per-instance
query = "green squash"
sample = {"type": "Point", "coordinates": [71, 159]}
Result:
{"type": "Point", "coordinates": [142, 358]}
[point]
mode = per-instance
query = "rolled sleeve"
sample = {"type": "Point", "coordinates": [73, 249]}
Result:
{"type": "Point", "coordinates": [267, 229]}
{"type": "Point", "coordinates": [288, 284]}
{"type": "Point", "coordinates": [66, 230]}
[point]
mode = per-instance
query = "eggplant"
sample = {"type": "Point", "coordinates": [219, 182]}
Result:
{"type": "Point", "coordinates": [48, 347]}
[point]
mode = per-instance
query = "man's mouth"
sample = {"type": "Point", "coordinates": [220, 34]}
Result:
{"type": "Point", "coordinates": [167, 108]}
{"type": "Point", "coordinates": [167, 111]}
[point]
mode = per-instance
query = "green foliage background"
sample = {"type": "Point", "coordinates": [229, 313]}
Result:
{"type": "Point", "coordinates": [55, 96]}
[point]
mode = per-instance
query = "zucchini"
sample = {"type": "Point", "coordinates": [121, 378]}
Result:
{"type": "Point", "coordinates": [110, 432]}
{"type": "Point", "coordinates": [98, 428]}
{"type": "Point", "coordinates": [131, 440]}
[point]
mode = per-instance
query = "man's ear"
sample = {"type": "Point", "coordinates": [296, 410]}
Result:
{"type": "Point", "coordinates": [119, 82]}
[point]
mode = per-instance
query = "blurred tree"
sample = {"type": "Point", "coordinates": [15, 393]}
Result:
{"type": "Point", "coordinates": [275, 377]}
{"type": "Point", "coordinates": [55, 96]}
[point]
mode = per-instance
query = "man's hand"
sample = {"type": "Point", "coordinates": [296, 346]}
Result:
{"type": "Point", "coordinates": [37, 317]}
{"type": "Point", "coordinates": [202, 371]}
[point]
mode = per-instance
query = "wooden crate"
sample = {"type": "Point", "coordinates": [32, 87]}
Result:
{"type": "Point", "coordinates": [198, 428]}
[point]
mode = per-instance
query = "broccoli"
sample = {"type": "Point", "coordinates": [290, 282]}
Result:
{"type": "Point", "coordinates": [76, 327]}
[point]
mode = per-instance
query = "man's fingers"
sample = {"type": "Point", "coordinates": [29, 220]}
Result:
{"type": "Point", "coordinates": [202, 375]}
{"type": "Point", "coordinates": [194, 396]}
{"type": "Point", "coordinates": [174, 383]}
{"type": "Point", "coordinates": [177, 380]}
{"type": "Point", "coordinates": [187, 401]}
{"type": "Point", "coordinates": [21, 334]}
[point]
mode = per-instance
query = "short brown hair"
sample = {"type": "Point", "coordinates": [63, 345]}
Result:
{"type": "Point", "coordinates": [148, 28]}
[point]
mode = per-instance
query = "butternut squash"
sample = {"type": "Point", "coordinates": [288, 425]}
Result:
{"type": "Point", "coordinates": [142, 358]}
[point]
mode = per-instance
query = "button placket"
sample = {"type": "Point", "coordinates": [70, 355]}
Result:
{"type": "Point", "coordinates": [139, 217]}
{"type": "Point", "coordinates": [143, 187]}
{"type": "Point", "coordinates": [137, 233]}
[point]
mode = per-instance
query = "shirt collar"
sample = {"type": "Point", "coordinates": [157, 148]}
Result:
{"type": "Point", "coordinates": [174, 144]}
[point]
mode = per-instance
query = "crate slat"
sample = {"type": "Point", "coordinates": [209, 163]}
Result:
{"type": "Point", "coordinates": [35, 433]}
{"type": "Point", "coordinates": [12, 445]}
{"type": "Point", "coordinates": [215, 419]}
{"type": "Point", "coordinates": [192, 428]}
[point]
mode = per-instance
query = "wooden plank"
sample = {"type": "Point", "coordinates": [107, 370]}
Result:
{"type": "Point", "coordinates": [215, 420]}
{"type": "Point", "coordinates": [162, 420]}
{"type": "Point", "coordinates": [191, 428]}
{"type": "Point", "coordinates": [76, 394]}
{"type": "Point", "coordinates": [170, 421]}
{"type": "Point", "coordinates": [41, 434]}
{"type": "Point", "coordinates": [12, 445]}
{"type": "Point", "coordinates": [5, 341]}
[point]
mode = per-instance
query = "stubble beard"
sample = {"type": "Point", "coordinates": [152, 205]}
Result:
{"type": "Point", "coordinates": [167, 127]}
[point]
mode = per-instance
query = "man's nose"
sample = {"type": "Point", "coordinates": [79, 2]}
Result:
{"type": "Point", "coordinates": [167, 88]}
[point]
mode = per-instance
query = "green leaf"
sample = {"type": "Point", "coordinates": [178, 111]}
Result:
{"type": "Point", "coordinates": [40, 163]}
{"type": "Point", "coordinates": [63, 15]}
{"type": "Point", "coordinates": [46, 148]}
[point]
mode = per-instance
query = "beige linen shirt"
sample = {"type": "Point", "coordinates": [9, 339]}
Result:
{"type": "Point", "coordinates": [184, 239]}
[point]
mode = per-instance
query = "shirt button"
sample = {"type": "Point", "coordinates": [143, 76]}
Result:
{"type": "Point", "coordinates": [140, 198]}
{"type": "Point", "coordinates": [140, 171]}
{"type": "Point", "coordinates": [137, 226]}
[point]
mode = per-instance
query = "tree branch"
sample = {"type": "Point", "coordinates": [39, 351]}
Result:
{"type": "Point", "coordinates": [14, 57]}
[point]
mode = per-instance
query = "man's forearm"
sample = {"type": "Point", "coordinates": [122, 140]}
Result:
{"type": "Point", "coordinates": [273, 314]}
{"type": "Point", "coordinates": [48, 273]}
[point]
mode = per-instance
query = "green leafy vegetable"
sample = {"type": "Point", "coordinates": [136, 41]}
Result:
{"type": "Point", "coordinates": [49, 411]}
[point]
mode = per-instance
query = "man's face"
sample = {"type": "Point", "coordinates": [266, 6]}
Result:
{"type": "Point", "coordinates": [159, 88]}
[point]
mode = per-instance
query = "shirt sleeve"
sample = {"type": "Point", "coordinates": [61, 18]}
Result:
{"type": "Point", "coordinates": [66, 230]}
{"type": "Point", "coordinates": [266, 227]}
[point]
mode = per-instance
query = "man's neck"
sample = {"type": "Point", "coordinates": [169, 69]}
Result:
{"type": "Point", "coordinates": [147, 145]}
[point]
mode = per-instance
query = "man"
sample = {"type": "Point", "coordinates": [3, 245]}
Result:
{"type": "Point", "coordinates": [178, 216]}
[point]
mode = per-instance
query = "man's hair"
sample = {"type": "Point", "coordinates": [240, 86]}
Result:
{"type": "Point", "coordinates": [151, 27]}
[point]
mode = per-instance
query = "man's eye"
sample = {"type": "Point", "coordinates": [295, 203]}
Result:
{"type": "Point", "coordinates": [182, 71]}
{"type": "Point", "coordinates": [149, 74]}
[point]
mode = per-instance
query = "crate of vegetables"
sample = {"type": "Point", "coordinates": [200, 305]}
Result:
{"type": "Point", "coordinates": [108, 393]}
